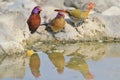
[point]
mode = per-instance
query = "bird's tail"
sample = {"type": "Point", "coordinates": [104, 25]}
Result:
{"type": "Point", "coordinates": [46, 24]}
{"type": "Point", "coordinates": [64, 11]}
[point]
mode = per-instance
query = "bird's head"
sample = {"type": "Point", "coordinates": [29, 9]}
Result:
{"type": "Point", "coordinates": [91, 5]}
{"type": "Point", "coordinates": [36, 10]}
{"type": "Point", "coordinates": [60, 14]}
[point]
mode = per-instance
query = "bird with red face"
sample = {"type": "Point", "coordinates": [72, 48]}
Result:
{"type": "Point", "coordinates": [58, 22]}
{"type": "Point", "coordinates": [77, 15]}
{"type": "Point", "coordinates": [34, 20]}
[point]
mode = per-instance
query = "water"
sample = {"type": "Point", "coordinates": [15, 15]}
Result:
{"type": "Point", "coordinates": [83, 61]}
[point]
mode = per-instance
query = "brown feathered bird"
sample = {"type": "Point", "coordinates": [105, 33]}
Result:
{"type": "Point", "coordinates": [58, 23]}
{"type": "Point", "coordinates": [76, 15]}
{"type": "Point", "coordinates": [34, 19]}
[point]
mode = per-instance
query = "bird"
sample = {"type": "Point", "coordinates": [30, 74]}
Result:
{"type": "Point", "coordinates": [34, 19]}
{"type": "Point", "coordinates": [58, 23]}
{"type": "Point", "coordinates": [77, 15]}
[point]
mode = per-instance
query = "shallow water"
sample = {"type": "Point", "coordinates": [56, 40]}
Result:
{"type": "Point", "coordinates": [83, 61]}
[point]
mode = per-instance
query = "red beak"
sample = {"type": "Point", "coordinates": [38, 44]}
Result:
{"type": "Point", "coordinates": [40, 9]}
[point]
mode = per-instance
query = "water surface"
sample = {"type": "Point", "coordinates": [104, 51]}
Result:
{"type": "Point", "coordinates": [83, 61]}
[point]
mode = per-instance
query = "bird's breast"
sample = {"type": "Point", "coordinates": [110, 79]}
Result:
{"type": "Point", "coordinates": [34, 20]}
{"type": "Point", "coordinates": [58, 24]}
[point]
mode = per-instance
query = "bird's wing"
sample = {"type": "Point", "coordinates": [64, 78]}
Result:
{"type": "Point", "coordinates": [75, 13]}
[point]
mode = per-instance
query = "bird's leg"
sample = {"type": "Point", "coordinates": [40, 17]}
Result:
{"type": "Point", "coordinates": [77, 29]}
{"type": "Point", "coordinates": [48, 28]}
{"type": "Point", "coordinates": [53, 35]}
{"type": "Point", "coordinates": [75, 25]}
{"type": "Point", "coordinates": [63, 30]}
{"type": "Point", "coordinates": [80, 23]}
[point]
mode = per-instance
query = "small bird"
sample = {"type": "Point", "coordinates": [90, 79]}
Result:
{"type": "Point", "coordinates": [76, 15]}
{"type": "Point", "coordinates": [58, 23]}
{"type": "Point", "coordinates": [34, 19]}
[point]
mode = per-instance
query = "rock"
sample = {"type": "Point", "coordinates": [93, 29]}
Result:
{"type": "Point", "coordinates": [92, 29]}
{"type": "Point", "coordinates": [69, 34]}
{"type": "Point", "coordinates": [48, 14]}
{"type": "Point", "coordinates": [11, 47]}
{"type": "Point", "coordinates": [40, 35]}
{"type": "Point", "coordinates": [112, 23]}
{"type": "Point", "coordinates": [13, 27]}
{"type": "Point", "coordinates": [13, 32]}
{"type": "Point", "coordinates": [101, 5]}
{"type": "Point", "coordinates": [51, 3]}
{"type": "Point", "coordinates": [99, 26]}
{"type": "Point", "coordinates": [113, 11]}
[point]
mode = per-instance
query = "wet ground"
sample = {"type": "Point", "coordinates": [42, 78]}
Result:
{"type": "Point", "coordinates": [77, 61]}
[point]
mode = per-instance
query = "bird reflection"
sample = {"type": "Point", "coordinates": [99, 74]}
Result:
{"type": "Point", "coordinates": [58, 60]}
{"type": "Point", "coordinates": [78, 63]}
{"type": "Point", "coordinates": [35, 65]}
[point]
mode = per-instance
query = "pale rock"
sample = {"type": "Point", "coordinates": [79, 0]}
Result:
{"type": "Point", "coordinates": [28, 4]}
{"type": "Point", "coordinates": [113, 26]}
{"type": "Point", "coordinates": [13, 32]}
{"type": "Point", "coordinates": [48, 14]}
{"type": "Point", "coordinates": [54, 3]}
{"type": "Point", "coordinates": [69, 34]}
{"type": "Point", "coordinates": [101, 5]}
{"type": "Point", "coordinates": [19, 5]}
{"type": "Point", "coordinates": [110, 25]}
{"type": "Point", "coordinates": [113, 11]}
{"type": "Point", "coordinates": [41, 34]}
{"type": "Point", "coordinates": [13, 26]}
{"type": "Point", "coordinates": [14, 14]}
{"type": "Point", "coordinates": [91, 29]}
{"type": "Point", "coordinates": [11, 47]}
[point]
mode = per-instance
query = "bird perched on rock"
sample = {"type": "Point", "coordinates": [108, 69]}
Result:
{"type": "Point", "coordinates": [34, 19]}
{"type": "Point", "coordinates": [76, 15]}
{"type": "Point", "coordinates": [58, 23]}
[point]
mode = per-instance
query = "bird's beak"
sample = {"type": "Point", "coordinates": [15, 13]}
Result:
{"type": "Point", "coordinates": [94, 4]}
{"type": "Point", "coordinates": [40, 9]}
{"type": "Point", "coordinates": [63, 15]}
